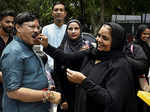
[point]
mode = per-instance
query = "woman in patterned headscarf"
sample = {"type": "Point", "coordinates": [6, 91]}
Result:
{"type": "Point", "coordinates": [73, 41]}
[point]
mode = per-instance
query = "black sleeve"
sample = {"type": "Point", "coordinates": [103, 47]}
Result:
{"type": "Point", "coordinates": [67, 59]}
{"type": "Point", "coordinates": [60, 79]}
{"type": "Point", "coordinates": [117, 90]}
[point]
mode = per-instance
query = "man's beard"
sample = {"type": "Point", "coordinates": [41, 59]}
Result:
{"type": "Point", "coordinates": [7, 30]}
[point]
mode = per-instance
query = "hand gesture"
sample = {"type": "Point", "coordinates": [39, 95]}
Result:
{"type": "Point", "coordinates": [75, 77]}
{"type": "Point", "coordinates": [43, 40]}
{"type": "Point", "coordinates": [54, 97]}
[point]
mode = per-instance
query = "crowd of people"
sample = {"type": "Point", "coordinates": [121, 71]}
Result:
{"type": "Point", "coordinates": [76, 72]}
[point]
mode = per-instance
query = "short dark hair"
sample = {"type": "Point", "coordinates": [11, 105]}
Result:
{"type": "Point", "coordinates": [57, 3]}
{"type": "Point", "coordinates": [7, 13]}
{"type": "Point", "coordinates": [24, 17]}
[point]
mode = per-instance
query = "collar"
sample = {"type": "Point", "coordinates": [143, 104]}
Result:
{"type": "Point", "coordinates": [21, 41]}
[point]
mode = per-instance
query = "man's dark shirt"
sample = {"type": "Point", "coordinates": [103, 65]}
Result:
{"type": "Point", "coordinates": [2, 46]}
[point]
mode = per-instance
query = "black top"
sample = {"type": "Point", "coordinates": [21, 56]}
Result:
{"type": "Point", "coordinates": [146, 50]}
{"type": "Point", "coordinates": [62, 84]}
{"type": "Point", "coordinates": [109, 86]}
{"type": "Point", "coordinates": [2, 46]}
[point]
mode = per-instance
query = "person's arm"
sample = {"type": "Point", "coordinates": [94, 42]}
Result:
{"type": "Point", "coordinates": [75, 76]}
{"type": "Point", "coordinates": [68, 59]}
{"type": "Point", "coordinates": [118, 87]}
{"type": "Point", "coordinates": [117, 92]}
{"type": "Point", "coordinates": [13, 76]}
{"type": "Point", "coordinates": [99, 94]}
{"type": "Point", "coordinates": [1, 80]}
{"type": "Point", "coordinates": [30, 95]}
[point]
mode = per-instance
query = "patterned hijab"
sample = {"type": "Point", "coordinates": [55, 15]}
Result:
{"type": "Point", "coordinates": [71, 45]}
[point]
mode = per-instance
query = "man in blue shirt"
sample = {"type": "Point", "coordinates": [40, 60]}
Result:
{"type": "Point", "coordinates": [24, 79]}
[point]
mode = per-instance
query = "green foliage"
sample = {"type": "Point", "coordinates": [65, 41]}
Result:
{"type": "Point", "coordinates": [89, 12]}
{"type": "Point", "coordinates": [18, 5]}
{"type": "Point", "coordinates": [45, 11]}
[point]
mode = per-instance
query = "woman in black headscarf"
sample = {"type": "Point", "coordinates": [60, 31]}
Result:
{"type": "Point", "coordinates": [138, 55]}
{"type": "Point", "coordinates": [105, 81]}
{"type": "Point", "coordinates": [142, 39]}
{"type": "Point", "coordinates": [73, 41]}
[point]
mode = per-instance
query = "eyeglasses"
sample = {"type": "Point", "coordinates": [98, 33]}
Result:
{"type": "Point", "coordinates": [33, 26]}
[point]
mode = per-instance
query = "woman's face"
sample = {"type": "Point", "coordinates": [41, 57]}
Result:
{"type": "Point", "coordinates": [104, 38]}
{"type": "Point", "coordinates": [73, 30]}
{"type": "Point", "coordinates": [145, 34]}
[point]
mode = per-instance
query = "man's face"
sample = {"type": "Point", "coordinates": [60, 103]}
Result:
{"type": "Point", "coordinates": [59, 12]}
{"type": "Point", "coordinates": [7, 24]}
{"type": "Point", "coordinates": [27, 30]}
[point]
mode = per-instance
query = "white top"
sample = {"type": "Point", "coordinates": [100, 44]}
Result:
{"type": "Point", "coordinates": [55, 35]}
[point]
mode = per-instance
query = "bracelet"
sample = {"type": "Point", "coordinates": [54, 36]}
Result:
{"type": "Point", "coordinates": [44, 99]}
{"type": "Point", "coordinates": [48, 96]}
{"type": "Point", "coordinates": [141, 76]}
{"type": "Point", "coordinates": [51, 95]}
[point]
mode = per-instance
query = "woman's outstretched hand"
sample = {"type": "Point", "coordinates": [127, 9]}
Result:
{"type": "Point", "coordinates": [75, 76]}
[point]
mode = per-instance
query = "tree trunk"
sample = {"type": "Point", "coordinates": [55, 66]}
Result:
{"type": "Point", "coordinates": [102, 11]}
{"type": "Point", "coordinates": [100, 19]}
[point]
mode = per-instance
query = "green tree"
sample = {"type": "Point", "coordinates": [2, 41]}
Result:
{"type": "Point", "coordinates": [91, 13]}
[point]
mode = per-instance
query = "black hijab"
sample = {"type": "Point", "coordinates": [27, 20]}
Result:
{"type": "Point", "coordinates": [71, 45]}
{"type": "Point", "coordinates": [118, 41]}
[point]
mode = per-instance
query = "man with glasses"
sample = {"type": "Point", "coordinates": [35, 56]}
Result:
{"type": "Point", "coordinates": [24, 79]}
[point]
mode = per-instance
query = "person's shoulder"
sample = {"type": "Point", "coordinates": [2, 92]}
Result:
{"type": "Point", "coordinates": [64, 25]}
{"type": "Point", "coordinates": [120, 62]}
{"type": "Point", "coordinates": [12, 50]}
{"type": "Point", "coordinates": [48, 26]}
{"type": "Point", "coordinates": [135, 48]}
{"type": "Point", "coordinates": [14, 46]}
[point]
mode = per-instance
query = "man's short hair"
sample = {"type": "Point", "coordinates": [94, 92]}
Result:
{"type": "Point", "coordinates": [7, 13]}
{"type": "Point", "coordinates": [57, 3]}
{"type": "Point", "coordinates": [24, 17]}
